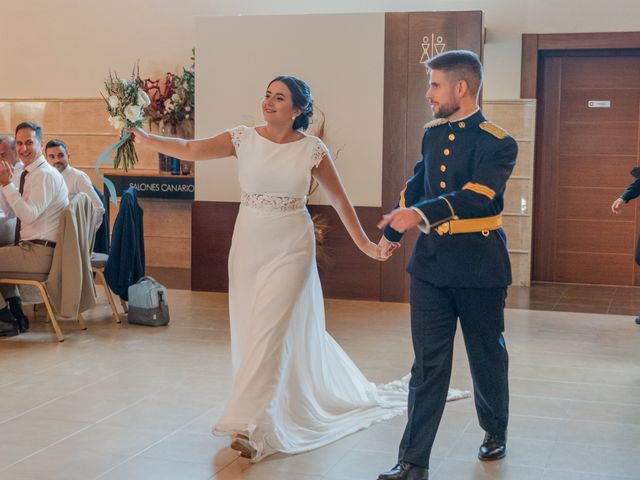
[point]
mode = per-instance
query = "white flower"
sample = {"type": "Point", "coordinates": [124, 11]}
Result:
{"type": "Point", "coordinates": [185, 85]}
{"type": "Point", "coordinates": [117, 122]}
{"type": "Point", "coordinates": [113, 102]}
{"type": "Point", "coordinates": [187, 108]}
{"type": "Point", "coordinates": [175, 97]}
{"type": "Point", "coordinates": [132, 112]}
{"type": "Point", "coordinates": [187, 116]}
{"type": "Point", "coordinates": [168, 105]}
{"type": "Point", "coordinates": [143, 99]}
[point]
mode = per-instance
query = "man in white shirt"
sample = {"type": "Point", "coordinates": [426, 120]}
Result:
{"type": "Point", "coordinates": [37, 202]}
{"type": "Point", "coordinates": [8, 154]}
{"type": "Point", "coordinates": [57, 154]}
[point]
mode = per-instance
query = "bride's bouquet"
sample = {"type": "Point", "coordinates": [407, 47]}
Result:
{"type": "Point", "coordinates": [126, 103]}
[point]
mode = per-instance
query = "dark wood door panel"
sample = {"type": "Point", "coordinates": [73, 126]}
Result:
{"type": "Point", "coordinates": [602, 268]}
{"type": "Point", "coordinates": [590, 236]}
{"type": "Point", "coordinates": [599, 170]}
{"type": "Point", "coordinates": [624, 105]}
{"type": "Point", "coordinates": [600, 72]}
{"type": "Point", "coordinates": [580, 203]}
{"type": "Point", "coordinates": [620, 138]}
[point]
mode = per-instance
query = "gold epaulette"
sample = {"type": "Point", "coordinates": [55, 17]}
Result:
{"type": "Point", "coordinates": [436, 122]}
{"type": "Point", "coordinates": [494, 130]}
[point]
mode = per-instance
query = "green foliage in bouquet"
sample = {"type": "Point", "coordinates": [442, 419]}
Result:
{"type": "Point", "coordinates": [126, 103]}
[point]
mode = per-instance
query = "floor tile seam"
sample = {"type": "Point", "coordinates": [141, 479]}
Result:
{"type": "Point", "coordinates": [55, 399]}
{"type": "Point", "coordinates": [73, 434]}
{"type": "Point", "coordinates": [566, 419]}
{"type": "Point", "coordinates": [182, 462]}
{"type": "Point", "coordinates": [597, 402]}
{"type": "Point", "coordinates": [148, 447]}
{"type": "Point", "coordinates": [590, 472]}
{"type": "Point", "coordinates": [591, 384]}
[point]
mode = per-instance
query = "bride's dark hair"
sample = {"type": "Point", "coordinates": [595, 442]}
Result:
{"type": "Point", "coordinates": [301, 98]}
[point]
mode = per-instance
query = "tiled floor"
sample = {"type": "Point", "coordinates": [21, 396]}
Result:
{"type": "Point", "coordinates": [127, 402]}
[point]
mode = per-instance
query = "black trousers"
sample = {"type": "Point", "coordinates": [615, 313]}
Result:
{"type": "Point", "coordinates": [434, 315]}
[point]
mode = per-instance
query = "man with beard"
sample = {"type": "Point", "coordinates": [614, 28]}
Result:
{"type": "Point", "coordinates": [77, 181]}
{"type": "Point", "coordinates": [460, 265]}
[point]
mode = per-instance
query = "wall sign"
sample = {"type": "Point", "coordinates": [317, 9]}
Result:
{"type": "Point", "coordinates": [599, 103]}
{"type": "Point", "coordinates": [177, 188]}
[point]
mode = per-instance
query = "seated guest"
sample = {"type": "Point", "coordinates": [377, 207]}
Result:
{"type": "Point", "coordinates": [8, 154]}
{"type": "Point", "coordinates": [77, 181]}
{"type": "Point", "coordinates": [37, 202]}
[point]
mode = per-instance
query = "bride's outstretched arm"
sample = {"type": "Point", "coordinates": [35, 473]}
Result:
{"type": "Point", "coordinates": [204, 149]}
{"type": "Point", "coordinates": [327, 176]}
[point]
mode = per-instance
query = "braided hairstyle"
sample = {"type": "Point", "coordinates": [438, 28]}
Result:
{"type": "Point", "coordinates": [301, 98]}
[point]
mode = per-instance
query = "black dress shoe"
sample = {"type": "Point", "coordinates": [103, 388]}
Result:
{"type": "Point", "coordinates": [15, 306]}
{"type": "Point", "coordinates": [494, 446]}
{"type": "Point", "coordinates": [8, 324]}
{"type": "Point", "coordinates": [405, 471]}
{"type": "Point", "coordinates": [638, 320]}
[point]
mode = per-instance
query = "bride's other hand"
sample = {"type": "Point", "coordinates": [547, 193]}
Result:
{"type": "Point", "coordinates": [376, 252]}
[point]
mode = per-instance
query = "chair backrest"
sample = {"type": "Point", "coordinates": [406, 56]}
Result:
{"type": "Point", "coordinates": [70, 281]}
{"type": "Point", "coordinates": [101, 244]}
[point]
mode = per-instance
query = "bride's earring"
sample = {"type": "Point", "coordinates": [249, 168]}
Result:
{"type": "Point", "coordinates": [293, 118]}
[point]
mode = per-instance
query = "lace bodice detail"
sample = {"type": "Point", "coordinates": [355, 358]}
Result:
{"type": "Point", "coordinates": [273, 169]}
{"type": "Point", "coordinates": [271, 202]}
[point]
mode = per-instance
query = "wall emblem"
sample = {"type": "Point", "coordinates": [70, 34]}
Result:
{"type": "Point", "coordinates": [431, 46]}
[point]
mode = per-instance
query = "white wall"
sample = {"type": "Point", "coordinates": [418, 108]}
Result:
{"type": "Point", "coordinates": [340, 56]}
{"type": "Point", "coordinates": [64, 48]}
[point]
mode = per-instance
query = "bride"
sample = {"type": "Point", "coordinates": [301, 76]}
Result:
{"type": "Point", "coordinates": [294, 388]}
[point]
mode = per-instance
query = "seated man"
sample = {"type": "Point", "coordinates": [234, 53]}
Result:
{"type": "Point", "coordinates": [8, 154]}
{"type": "Point", "coordinates": [77, 181]}
{"type": "Point", "coordinates": [37, 202]}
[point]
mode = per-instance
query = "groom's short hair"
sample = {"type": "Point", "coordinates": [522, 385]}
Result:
{"type": "Point", "coordinates": [459, 65]}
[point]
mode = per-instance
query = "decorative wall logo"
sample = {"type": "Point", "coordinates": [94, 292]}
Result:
{"type": "Point", "coordinates": [431, 46]}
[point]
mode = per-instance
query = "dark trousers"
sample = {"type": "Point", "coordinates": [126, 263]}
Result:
{"type": "Point", "coordinates": [434, 315]}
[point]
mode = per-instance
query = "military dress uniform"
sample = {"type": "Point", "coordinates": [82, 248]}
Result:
{"type": "Point", "coordinates": [459, 269]}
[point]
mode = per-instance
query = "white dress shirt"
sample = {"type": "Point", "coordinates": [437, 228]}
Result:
{"type": "Point", "coordinates": [77, 181]}
{"type": "Point", "coordinates": [40, 205]}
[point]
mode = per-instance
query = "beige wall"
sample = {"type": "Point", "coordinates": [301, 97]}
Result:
{"type": "Point", "coordinates": [64, 48]}
{"type": "Point", "coordinates": [344, 69]}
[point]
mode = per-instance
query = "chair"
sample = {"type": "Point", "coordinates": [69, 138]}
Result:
{"type": "Point", "coordinates": [44, 282]}
{"type": "Point", "coordinates": [98, 263]}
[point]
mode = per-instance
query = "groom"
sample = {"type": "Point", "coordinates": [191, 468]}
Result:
{"type": "Point", "coordinates": [460, 265]}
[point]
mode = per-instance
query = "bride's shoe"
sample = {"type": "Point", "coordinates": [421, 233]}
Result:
{"type": "Point", "coordinates": [242, 444]}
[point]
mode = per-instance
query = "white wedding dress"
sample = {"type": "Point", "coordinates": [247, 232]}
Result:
{"type": "Point", "coordinates": [294, 389]}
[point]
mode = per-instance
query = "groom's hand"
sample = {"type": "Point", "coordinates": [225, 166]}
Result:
{"type": "Point", "coordinates": [401, 219]}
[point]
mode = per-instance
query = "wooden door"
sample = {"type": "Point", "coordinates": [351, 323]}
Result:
{"type": "Point", "coordinates": [587, 142]}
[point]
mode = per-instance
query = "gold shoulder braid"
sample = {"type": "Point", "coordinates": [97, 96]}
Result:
{"type": "Point", "coordinates": [436, 122]}
{"type": "Point", "coordinates": [494, 130]}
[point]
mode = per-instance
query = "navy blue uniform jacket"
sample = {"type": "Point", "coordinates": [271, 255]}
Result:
{"type": "Point", "coordinates": [462, 174]}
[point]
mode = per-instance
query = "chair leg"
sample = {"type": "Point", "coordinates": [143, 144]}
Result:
{"type": "Point", "coordinates": [108, 293]}
{"type": "Point", "coordinates": [52, 315]}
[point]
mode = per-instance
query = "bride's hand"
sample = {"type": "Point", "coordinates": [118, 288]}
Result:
{"type": "Point", "coordinates": [375, 251]}
{"type": "Point", "coordinates": [139, 135]}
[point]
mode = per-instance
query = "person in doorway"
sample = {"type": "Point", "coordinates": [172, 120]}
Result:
{"type": "Point", "coordinates": [631, 192]}
{"type": "Point", "coordinates": [460, 265]}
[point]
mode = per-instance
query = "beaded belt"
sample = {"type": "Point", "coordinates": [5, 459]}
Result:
{"type": "Point", "coordinates": [271, 202]}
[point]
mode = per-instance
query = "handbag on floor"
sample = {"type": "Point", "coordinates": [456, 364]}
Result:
{"type": "Point", "coordinates": [148, 303]}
